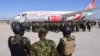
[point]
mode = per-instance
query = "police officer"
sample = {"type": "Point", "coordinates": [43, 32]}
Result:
{"type": "Point", "coordinates": [67, 43]}
{"type": "Point", "coordinates": [43, 47]}
{"type": "Point", "coordinates": [19, 45]}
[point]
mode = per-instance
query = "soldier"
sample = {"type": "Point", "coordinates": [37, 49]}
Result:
{"type": "Point", "coordinates": [72, 25]}
{"type": "Point", "coordinates": [19, 45]}
{"type": "Point", "coordinates": [66, 45]}
{"type": "Point", "coordinates": [89, 25]}
{"type": "Point", "coordinates": [43, 47]}
{"type": "Point", "coordinates": [77, 26]}
{"type": "Point", "coordinates": [33, 26]}
{"type": "Point", "coordinates": [83, 25]}
{"type": "Point", "coordinates": [28, 26]}
{"type": "Point", "coordinates": [99, 23]}
{"type": "Point", "coordinates": [47, 26]}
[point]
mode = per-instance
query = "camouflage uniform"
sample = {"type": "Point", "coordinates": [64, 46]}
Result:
{"type": "Point", "coordinates": [67, 43]}
{"type": "Point", "coordinates": [44, 47]}
{"type": "Point", "coordinates": [19, 45]}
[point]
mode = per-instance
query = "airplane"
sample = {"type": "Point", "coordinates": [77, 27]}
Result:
{"type": "Point", "coordinates": [55, 16]}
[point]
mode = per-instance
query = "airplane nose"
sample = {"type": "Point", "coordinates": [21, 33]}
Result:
{"type": "Point", "coordinates": [17, 18]}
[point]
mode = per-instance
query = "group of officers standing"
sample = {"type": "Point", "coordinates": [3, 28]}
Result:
{"type": "Point", "coordinates": [57, 26]}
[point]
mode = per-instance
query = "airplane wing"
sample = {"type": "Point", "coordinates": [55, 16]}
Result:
{"type": "Point", "coordinates": [78, 12]}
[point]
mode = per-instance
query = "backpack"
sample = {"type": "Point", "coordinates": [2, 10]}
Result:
{"type": "Point", "coordinates": [68, 46]}
{"type": "Point", "coordinates": [14, 47]}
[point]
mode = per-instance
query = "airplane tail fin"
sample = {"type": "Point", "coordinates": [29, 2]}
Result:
{"type": "Point", "coordinates": [91, 5]}
{"type": "Point", "coordinates": [85, 14]}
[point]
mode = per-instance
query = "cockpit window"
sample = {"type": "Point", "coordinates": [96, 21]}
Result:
{"type": "Point", "coordinates": [25, 13]}
{"type": "Point", "coordinates": [18, 15]}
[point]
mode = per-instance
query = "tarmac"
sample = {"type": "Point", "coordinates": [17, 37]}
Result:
{"type": "Point", "coordinates": [87, 43]}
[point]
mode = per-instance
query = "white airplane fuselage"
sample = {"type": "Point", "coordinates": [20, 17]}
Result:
{"type": "Point", "coordinates": [41, 15]}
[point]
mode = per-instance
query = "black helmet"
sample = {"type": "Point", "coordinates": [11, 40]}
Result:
{"type": "Point", "coordinates": [67, 30]}
{"type": "Point", "coordinates": [18, 28]}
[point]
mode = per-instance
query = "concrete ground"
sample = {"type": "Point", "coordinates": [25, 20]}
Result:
{"type": "Point", "coordinates": [87, 43]}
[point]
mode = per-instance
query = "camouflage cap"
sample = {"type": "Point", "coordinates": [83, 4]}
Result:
{"type": "Point", "coordinates": [42, 30]}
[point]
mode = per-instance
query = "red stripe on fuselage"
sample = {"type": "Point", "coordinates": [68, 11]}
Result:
{"type": "Point", "coordinates": [78, 16]}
